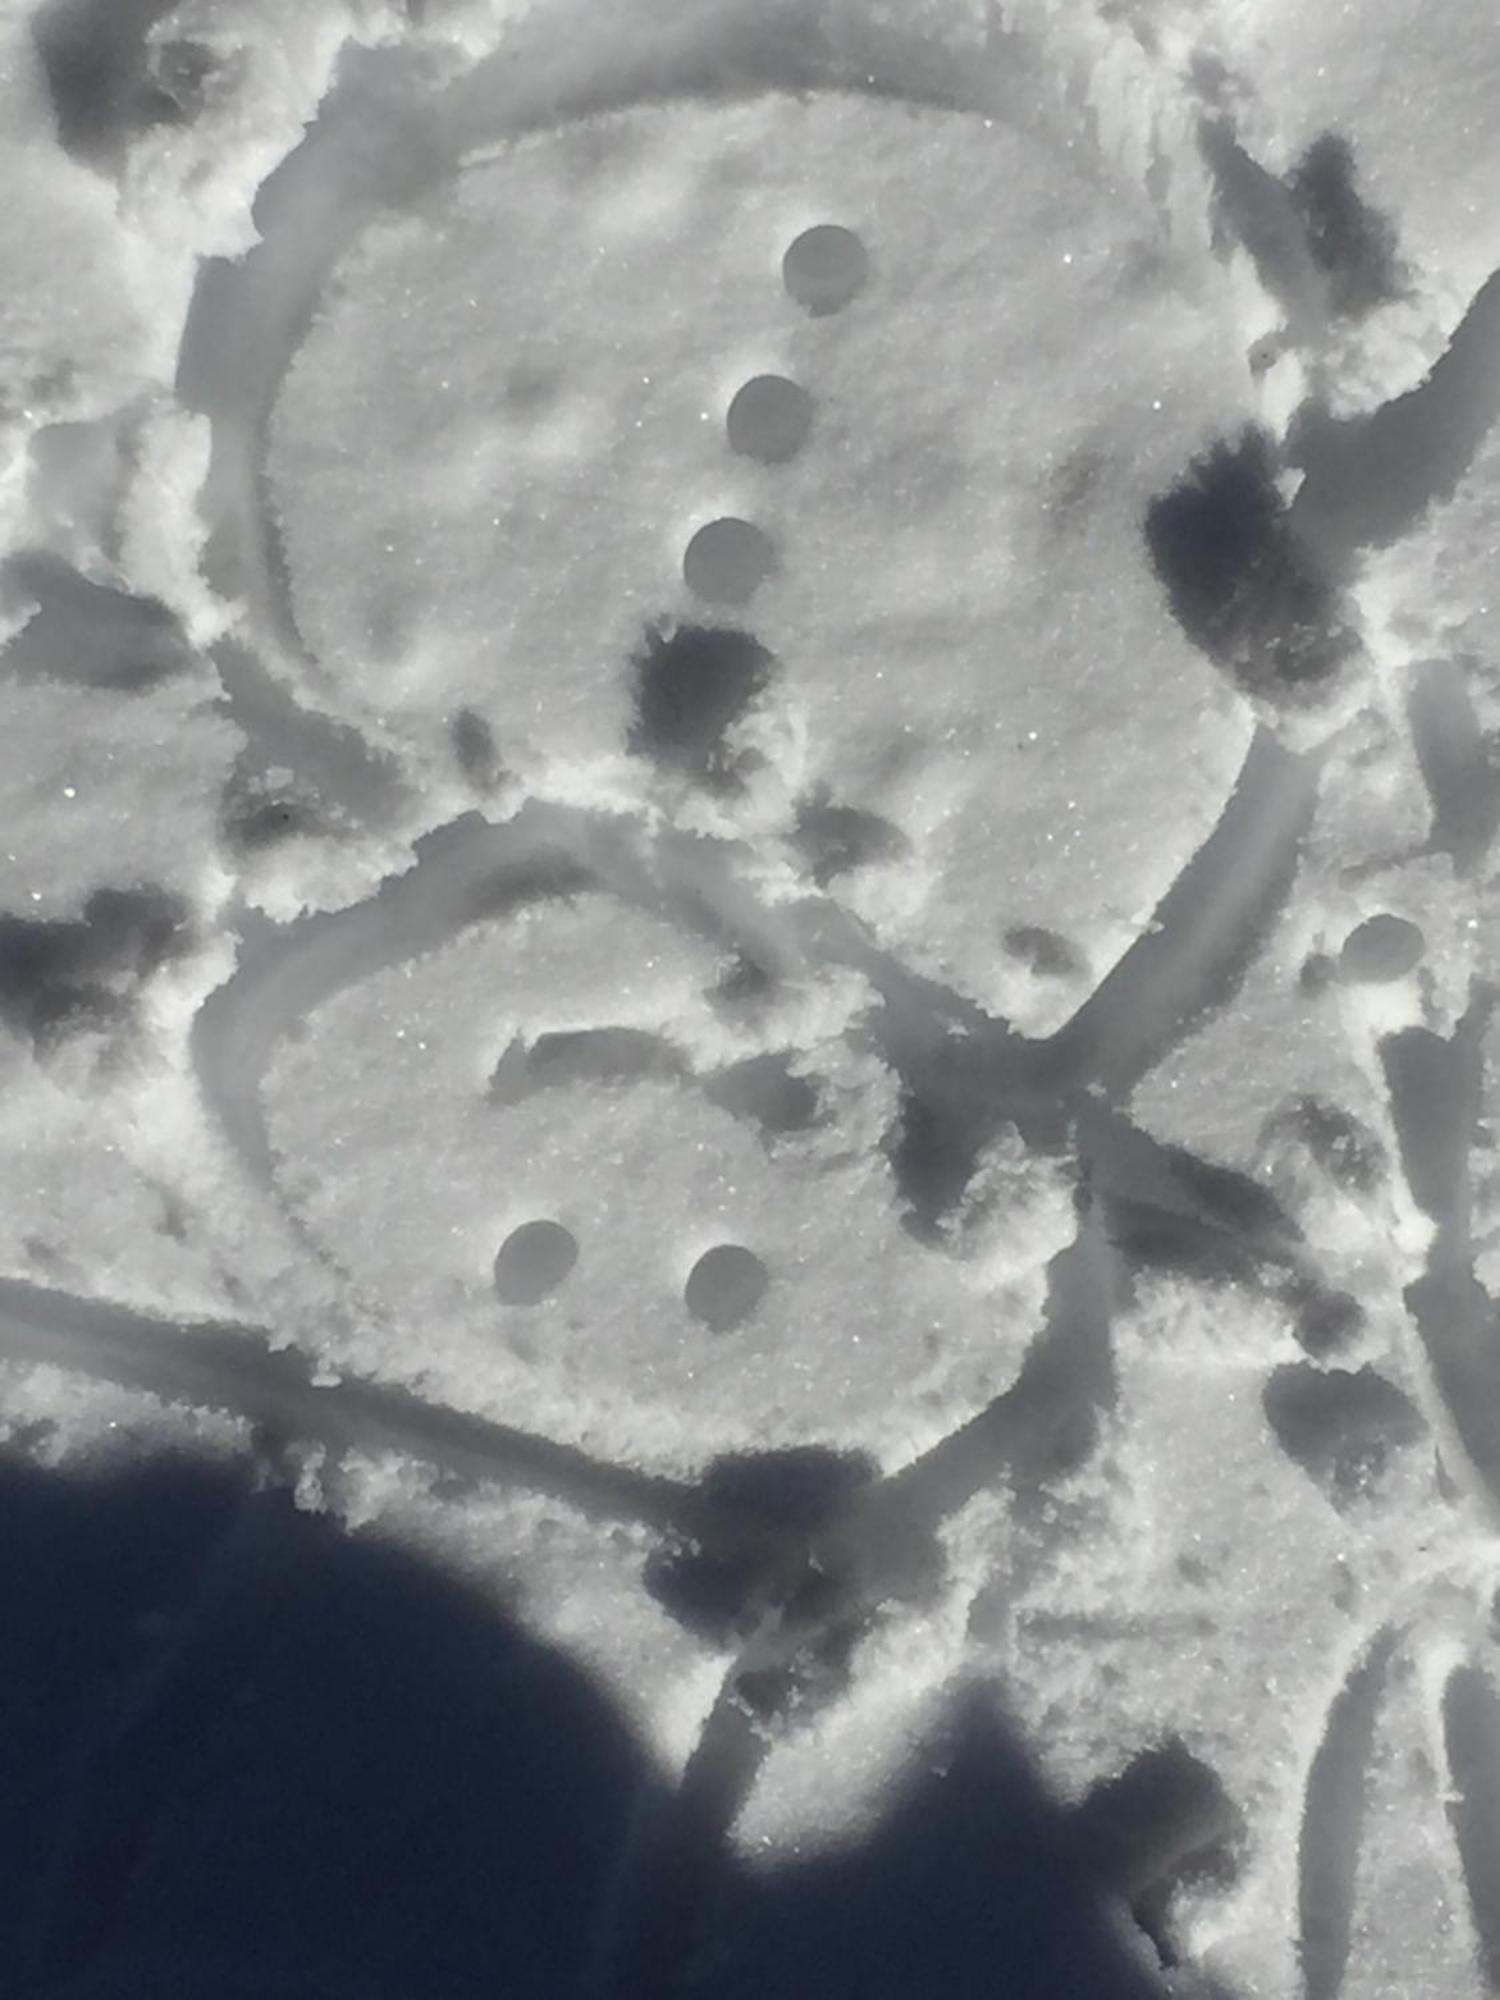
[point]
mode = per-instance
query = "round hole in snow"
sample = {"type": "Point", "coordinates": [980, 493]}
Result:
{"type": "Point", "coordinates": [825, 267]}
{"type": "Point", "coordinates": [533, 1261]}
{"type": "Point", "coordinates": [727, 561]}
{"type": "Point", "coordinates": [769, 419]}
{"type": "Point", "coordinates": [1382, 947]}
{"type": "Point", "coordinates": [725, 1286]}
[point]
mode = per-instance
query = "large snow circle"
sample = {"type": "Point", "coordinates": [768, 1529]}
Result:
{"type": "Point", "coordinates": [668, 373]}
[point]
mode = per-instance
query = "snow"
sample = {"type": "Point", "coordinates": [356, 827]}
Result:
{"type": "Point", "coordinates": [643, 1341]}
{"type": "Point", "coordinates": [997, 533]}
{"type": "Point", "coordinates": [747, 938]}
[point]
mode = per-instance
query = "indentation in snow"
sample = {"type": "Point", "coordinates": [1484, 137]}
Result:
{"type": "Point", "coordinates": [533, 1262]}
{"type": "Point", "coordinates": [727, 561]}
{"type": "Point", "coordinates": [725, 1286]}
{"type": "Point", "coordinates": [769, 419]}
{"type": "Point", "coordinates": [825, 268]}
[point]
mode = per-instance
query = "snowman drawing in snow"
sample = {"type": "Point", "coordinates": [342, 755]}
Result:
{"type": "Point", "coordinates": [780, 465]}
{"type": "Point", "coordinates": [776, 469]}
{"type": "Point", "coordinates": [659, 1246]}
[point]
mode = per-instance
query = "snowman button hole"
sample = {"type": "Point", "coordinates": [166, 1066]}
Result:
{"type": "Point", "coordinates": [533, 1261]}
{"type": "Point", "coordinates": [769, 419]}
{"type": "Point", "coordinates": [825, 267]}
{"type": "Point", "coordinates": [725, 1286]}
{"type": "Point", "coordinates": [727, 561]}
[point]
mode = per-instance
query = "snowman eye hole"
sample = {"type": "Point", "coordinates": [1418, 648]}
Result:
{"type": "Point", "coordinates": [769, 419]}
{"type": "Point", "coordinates": [725, 1286]}
{"type": "Point", "coordinates": [533, 1261]}
{"type": "Point", "coordinates": [825, 267]}
{"type": "Point", "coordinates": [728, 560]}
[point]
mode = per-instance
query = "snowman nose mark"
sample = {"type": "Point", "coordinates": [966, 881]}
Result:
{"type": "Point", "coordinates": [533, 1261]}
{"type": "Point", "coordinates": [725, 1286]}
{"type": "Point", "coordinates": [824, 268]}
{"type": "Point", "coordinates": [769, 419]}
{"type": "Point", "coordinates": [727, 561]}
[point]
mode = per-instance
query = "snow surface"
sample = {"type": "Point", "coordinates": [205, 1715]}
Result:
{"type": "Point", "coordinates": [750, 1225]}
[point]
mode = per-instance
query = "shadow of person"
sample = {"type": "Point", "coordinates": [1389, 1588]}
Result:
{"type": "Point", "coordinates": [252, 1753]}
{"type": "Point", "coordinates": [255, 1757]}
{"type": "Point", "coordinates": [974, 1883]}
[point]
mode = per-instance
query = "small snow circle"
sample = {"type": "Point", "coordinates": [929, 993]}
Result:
{"type": "Point", "coordinates": [825, 268]}
{"type": "Point", "coordinates": [533, 1261]}
{"type": "Point", "coordinates": [725, 1286]}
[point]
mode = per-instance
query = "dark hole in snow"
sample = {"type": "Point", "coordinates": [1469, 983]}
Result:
{"type": "Point", "coordinates": [692, 685]}
{"type": "Point", "coordinates": [1341, 1428]}
{"type": "Point", "coordinates": [89, 634]}
{"type": "Point", "coordinates": [727, 561]}
{"type": "Point", "coordinates": [258, 811]}
{"type": "Point", "coordinates": [933, 1148]}
{"type": "Point", "coordinates": [1163, 1821]}
{"type": "Point", "coordinates": [825, 267]}
{"type": "Point", "coordinates": [1342, 1146]}
{"type": "Point", "coordinates": [475, 750]}
{"type": "Point", "coordinates": [725, 1287]}
{"type": "Point", "coordinates": [1352, 245]}
{"type": "Point", "coordinates": [254, 824]}
{"type": "Point", "coordinates": [713, 1593]}
{"type": "Point", "coordinates": [1044, 953]}
{"type": "Point", "coordinates": [533, 1261]}
{"type": "Point", "coordinates": [84, 972]}
{"type": "Point", "coordinates": [1383, 947]}
{"type": "Point", "coordinates": [798, 1489]}
{"type": "Point", "coordinates": [780, 1500]}
{"type": "Point", "coordinates": [1239, 583]}
{"type": "Point", "coordinates": [98, 65]}
{"type": "Point", "coordinates": [1317, 973]}
{"type": "Point", "coordinates": [1324, 1322]}
{"type": "Point", "coordinates": [763, 1091]}
{"type": "Point", "coordinates": [769, 419]}
{"type": "Point", "coordinates": [743, 984]}
{"type": "Point", "coordinates": [834, 840]}
{"type": "Point", "coordinates": [1252, 206]}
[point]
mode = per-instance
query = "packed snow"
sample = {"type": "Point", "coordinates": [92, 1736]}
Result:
{"type": "Point", "coordinates": [747, 953]}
